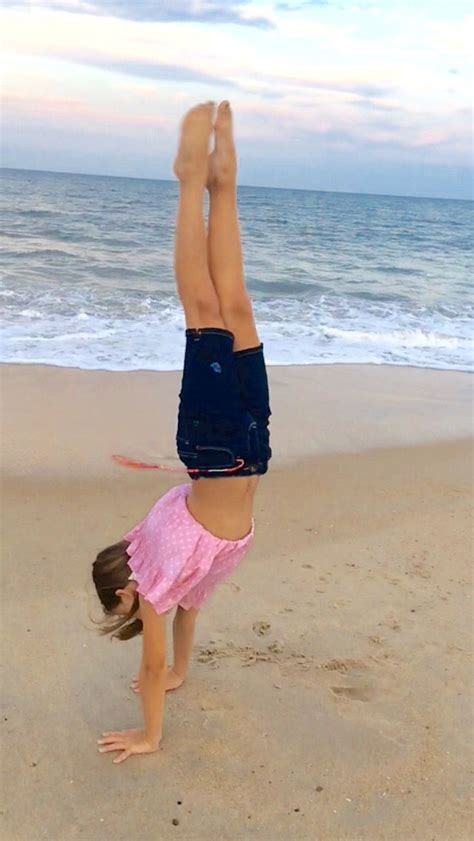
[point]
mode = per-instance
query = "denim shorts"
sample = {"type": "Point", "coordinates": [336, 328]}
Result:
{"type": "Point", "coordinates": [224, 407]}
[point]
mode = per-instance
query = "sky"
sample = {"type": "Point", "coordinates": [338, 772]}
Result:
{"type": "Point", "coordinates": [371, 96]}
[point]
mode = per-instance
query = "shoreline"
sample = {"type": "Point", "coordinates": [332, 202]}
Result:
{"type": "Point", "coordinates": [82, 417]}
{"type": "Point", "coordinates": [321, 364]}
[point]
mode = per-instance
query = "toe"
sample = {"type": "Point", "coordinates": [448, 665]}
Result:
{"type": "Point", "coordinates": [203, 110]}
{"type": "Point", "coordinates": [209, 108]}
{"type": "Point", "coordinates": [224, 116]}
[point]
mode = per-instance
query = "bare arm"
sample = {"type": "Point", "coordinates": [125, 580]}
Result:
{"type": "Point", "coordinates": [152, 680]}
{"type": "Point", "coordinates": [153, 671]}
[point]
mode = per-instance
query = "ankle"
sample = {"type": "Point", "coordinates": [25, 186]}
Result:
{"type": "Point", "coordinates": [179, 674]}
{"type": "Point", "coordinates": [192, 183]}
{"type": "Point", "coordinates": [223, 187]}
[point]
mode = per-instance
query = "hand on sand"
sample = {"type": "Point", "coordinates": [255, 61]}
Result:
{"type": "Point", "coordinates": [172, 682]}
{"type": "Point", "coordinates": [126, 741]}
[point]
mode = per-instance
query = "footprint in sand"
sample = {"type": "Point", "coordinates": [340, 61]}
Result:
{"type": "Point", "coordinates": [359, 691]}
{"type": "Point", "coordinates": [354, 693]}
{"type": "Point", "coordinates": [346, 665]}
{"type": "Point", "coordinates": [261, 628]}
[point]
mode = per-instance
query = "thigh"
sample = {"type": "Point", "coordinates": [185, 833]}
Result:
{"type": "Point", "coordinates": [224, 407]}
{"type": "Point", "coordinates": [252, 375]}
{"type": "Point", "coordinates": [239, 319]}
{"type": "Point", "coordinates": [211, 410]}
{"type": "Point", "coordinates": [209, 382]}
{"type": "Point", "coordinates": [254, 390]}
{"type": "Point", "coordinates": [203, 315]}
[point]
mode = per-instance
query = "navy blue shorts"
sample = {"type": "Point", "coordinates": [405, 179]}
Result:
{"type": "Point", "coordinates": [224, 407]}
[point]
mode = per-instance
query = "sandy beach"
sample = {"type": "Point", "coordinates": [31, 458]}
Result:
{"type": "Point", "coordinates": [328, 698]}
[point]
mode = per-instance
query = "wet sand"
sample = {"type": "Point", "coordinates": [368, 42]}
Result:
{"type": "Point", "coordinates": [328, 694]}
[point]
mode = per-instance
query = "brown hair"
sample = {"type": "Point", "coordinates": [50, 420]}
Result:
{"type": "Point", "coordinates": [110, 572]}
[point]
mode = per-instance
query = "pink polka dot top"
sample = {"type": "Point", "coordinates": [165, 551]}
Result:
{"type": "Point", "coordinates": [174, 559]}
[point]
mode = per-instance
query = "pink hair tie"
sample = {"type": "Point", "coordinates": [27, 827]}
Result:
{"type": "Point", "coordinates": [125, 461]}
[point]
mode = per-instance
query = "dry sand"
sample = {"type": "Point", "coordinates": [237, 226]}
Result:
{"type": "Point", "coordinates": [328, 695]}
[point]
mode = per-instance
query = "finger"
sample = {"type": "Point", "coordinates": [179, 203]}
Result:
{"type": "Point", "coordinates": [113, 746]}
{"type": "Point", "coordinates": [113, 733]}
{"type": "Point", "coordinates": [123, 756]}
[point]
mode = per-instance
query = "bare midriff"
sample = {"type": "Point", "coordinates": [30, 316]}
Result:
{"type": "Point", "coordinates": [224, 506]}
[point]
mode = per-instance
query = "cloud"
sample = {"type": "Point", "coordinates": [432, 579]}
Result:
{"type": "Point", "coordinates": [403, 134]}
{"type": "Point", "coordinates": [317, 84]}
{"type": "Point", "coordinates": [362, 89]}
{"type": "Point", "coordinates": [79, 111]}
{"type": "Point", "coordinates": [302, 4]}
{"type": "Point", "coordinates": [150, 70]}
{"type": "Point", "coordinates": [260, 86]}
{"type": "Point", "coordinates": [370, 105]}
{"type": "Point", "coordinates": [203, 11]}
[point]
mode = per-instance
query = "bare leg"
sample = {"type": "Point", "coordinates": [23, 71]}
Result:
{"type": "Point", "coordinates": [195, 288]}
{"type": "Point", "coordinates": [224, 248]}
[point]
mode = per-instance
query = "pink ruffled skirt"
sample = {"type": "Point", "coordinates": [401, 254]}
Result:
{"type": "Point", "coordinates": [174, 559]}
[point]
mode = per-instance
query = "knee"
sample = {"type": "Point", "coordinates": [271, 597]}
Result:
{"type": "Point", "coordinates": [204, 312]}
{"type": "Point", "coordinates": [238, 308]}
{"type": "Point", "coordinates": [208, 306]}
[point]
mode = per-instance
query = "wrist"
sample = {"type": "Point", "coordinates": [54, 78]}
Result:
{"type": "Point", "coordinates": [153, 741]}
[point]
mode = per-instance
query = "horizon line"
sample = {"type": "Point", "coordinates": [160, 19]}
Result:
{"type": "Point", "coordinates": [249, 186]}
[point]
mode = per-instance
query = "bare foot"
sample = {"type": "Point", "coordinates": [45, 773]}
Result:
{"type": "Point", "coordinates": [192, 159]}
{"type": "Point", "coordinates": [223, 160]}
{"type": "Point", "coordinates": [172, 682]}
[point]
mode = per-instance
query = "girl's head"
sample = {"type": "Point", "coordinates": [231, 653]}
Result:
{"type": "Point", "coordinates": [110, 573]}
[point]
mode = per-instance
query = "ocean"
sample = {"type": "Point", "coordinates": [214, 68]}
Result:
{"type": "Point", "coordinates": [87, 275]}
